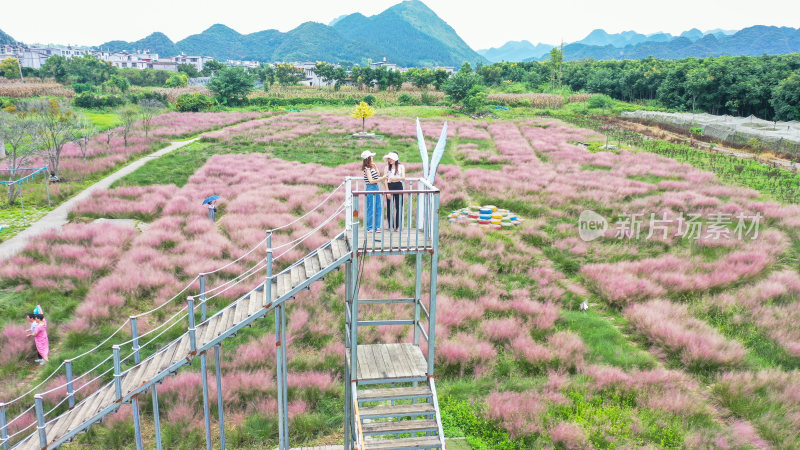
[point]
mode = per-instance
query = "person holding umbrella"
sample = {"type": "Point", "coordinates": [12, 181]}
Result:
{"type": "Point", "coordinates": [211, 202]}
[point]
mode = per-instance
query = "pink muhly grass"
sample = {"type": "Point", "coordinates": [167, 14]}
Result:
{"type": "Point", "coordinates": [15, 345]}
{"type": "Point", "coordinates": [568, 349]}
{"type": "Point", "coordinates": [462, 349]}
{"type": "Point", "coordinates": [530, 351]}
{"type": "Point", "coordinates": [321, 381]}
{"type": "Point", "coordinates": [570, 435]}
{"type": "Point", "coordinates": [501, 329]}
{"type": "Point", "coordinates": [670, 326]}
{"type": "Point", "coordinates": [519, 412]}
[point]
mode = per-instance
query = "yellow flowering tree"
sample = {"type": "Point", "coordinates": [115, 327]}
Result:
{"type": "Point", "coordinates": [363, 110]}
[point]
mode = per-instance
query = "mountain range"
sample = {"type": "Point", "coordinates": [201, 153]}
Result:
{"type": "Point", "coordinates": [601, 45]}
{"type": "Point", "coordinates": [408, 34]}
{"type": "Point", "coordinates": [5, 39]}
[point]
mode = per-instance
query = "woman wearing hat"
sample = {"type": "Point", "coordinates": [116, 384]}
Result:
{"type": "Point", "coordinates": [395, 173]}
{"type": "Point", "coordinates": [372, 179]}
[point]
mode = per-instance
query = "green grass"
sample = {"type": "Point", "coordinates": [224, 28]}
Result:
{"type": "Point", "coordinates": [605, 343]}
{"type": "Point", "coordinates": [173, 168]}
{"type": "Point", "coordinates": [101, 119]}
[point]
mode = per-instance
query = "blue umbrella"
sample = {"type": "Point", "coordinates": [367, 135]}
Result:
{"type": "Point", "coordinates": [210, 199]}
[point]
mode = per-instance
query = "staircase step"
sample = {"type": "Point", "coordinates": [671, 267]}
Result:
{"type": "Point", "coordinates": [399, 426]}
{"type": "Point", "coordinates": [384, 411]}
{"type": "Point", "coordinates": [403, 443]}
{"type": "Point", "coordinates": [373, 395]}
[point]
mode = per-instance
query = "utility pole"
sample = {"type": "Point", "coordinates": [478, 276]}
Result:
{"type": "Point", "coordinates": [19, 64]}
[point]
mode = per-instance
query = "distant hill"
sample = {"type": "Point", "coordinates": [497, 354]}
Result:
{"type": "Point", "coordinates": [155, 43]}
{"type": "Point", "coordinates": [409, 34]}
{"type": "Point", "coordinates": [5, 39]}
{"type": "Point", "coordinates": [516, 51]}
{"type": "Point", "coordinates": [753, 41]}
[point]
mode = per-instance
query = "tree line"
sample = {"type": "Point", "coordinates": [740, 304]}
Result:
{"type": "Point", "coordinates": [764, 86]}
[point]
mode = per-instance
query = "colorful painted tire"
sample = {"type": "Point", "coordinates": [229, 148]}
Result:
{"type": "Point", "coordinates": [496, 221]}
{"type": "Point", "coordinates": [507, 224]}
{"type": "Point", "coordinates": [473, 216]}
{"type": "Point", "coordinates": [485, 211]}
{"type": "Point", "coordinates": [503, 211]}
{"type": "Point", "coordinates": [483, 226]}
{"type": "Point", "coordinates": [482, 217]}
{"type": "Point", "coordinates": [497, 216]}
{"type": "Point", "coordinates": [484, 222]}
{"type": "Point", "coordinates": [512, 218]}
{"type": "Point", "coordinates": [492, 207]}
{"type": "Point", "coordinates": [496, 227]}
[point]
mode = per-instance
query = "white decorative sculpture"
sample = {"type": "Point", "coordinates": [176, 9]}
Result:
{"type": "Point", "coordinates": [429, 169]}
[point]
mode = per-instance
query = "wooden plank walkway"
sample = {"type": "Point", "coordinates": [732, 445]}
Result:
{"type": "Point", "coordinates": [389, 361]}
{"type": "Point", "coordinates": [177, 352]}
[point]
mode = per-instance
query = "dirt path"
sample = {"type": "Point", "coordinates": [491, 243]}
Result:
{"type": "Point", "coordinates": [656, 132]}
{"type": "Point", "coordinates": [58, 217]}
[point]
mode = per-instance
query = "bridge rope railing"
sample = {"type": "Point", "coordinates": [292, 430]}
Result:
{"type": "Point", "coordinates": [164, 326]}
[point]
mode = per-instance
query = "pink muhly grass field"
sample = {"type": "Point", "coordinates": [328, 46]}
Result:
{"type": "Point", "coordinates": [670, 326]}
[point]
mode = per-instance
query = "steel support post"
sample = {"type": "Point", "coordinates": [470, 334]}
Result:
{"type": "Point", "coordinates": [70, 387]}
{"type": "Point", "coordinates": [117, 373]}
{"type": "Point", "coordinates": [206, 408]}
{"type": "Point", "coordinates": [279, 378]}
{"type": "Point", "coordinates": [203, 297]}
{"type": "Point", "coordinates": [137, 429]}
{"type": "Point", "coordinates": [417, 297]}
{"type": "Point", "coordinates": [156, 418]}
{"type": "Point", "coordinates": [135, 338]}
{"type": "Point", "coordinates": [285, 378]}
{"type": "Point", "coordinates": [268, 281]}
{"type": "Point", "coordinates": [190, 315]}
{"type": "Point", "coordinates": [3, 427]}
{"type": "Point", "coordinates": [348, 400]}
{"type": "Point", "coordinates": [434, 274]}
{"type": "Point", "coordinates": [40, 424]}
{"type": "Point", "coordinates": [218, 369]}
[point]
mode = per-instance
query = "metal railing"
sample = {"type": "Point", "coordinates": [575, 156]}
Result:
{"type": "Point", "coordinates": [359, 432]}
{"type": "Point", "coordinates": [394, 221]}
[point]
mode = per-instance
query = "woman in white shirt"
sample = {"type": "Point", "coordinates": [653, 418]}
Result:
{"type": "Point", "coordinates": [395, 174]}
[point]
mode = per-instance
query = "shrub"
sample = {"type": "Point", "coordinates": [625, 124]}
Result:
{"type": "Point", "coordinates": [177, 80]}
{"type": "Point", "coordinates": [193, 102]}
{"type": "Point", "coordinates": [370, 99]}
{"type": "Point", "coordinates": [90, 100]}
{"type": "Point", "coordinates": [407, 99]}
{"type": "Point", "coordinates": [599, 101]}
{"type": "Point", "coordinates": [137, 97]}
{"type": "Point", "coordinates": [80, 88]}
{"type": "Point", "coordinates": [428, 99]}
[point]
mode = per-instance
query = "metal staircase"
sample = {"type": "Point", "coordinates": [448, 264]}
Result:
{"type": "Point", "coordinates": [390, 391]}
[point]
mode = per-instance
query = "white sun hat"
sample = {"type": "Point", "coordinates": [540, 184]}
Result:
{"type": "Point", "coordinates": [392, 155]}
{"type": "Point", "coordinates": [366, 154]}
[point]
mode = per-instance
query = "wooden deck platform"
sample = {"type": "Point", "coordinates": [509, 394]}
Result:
{"type": "Point", "coordinates": [393, 242]}
{"type": "Point", "coordinates": [378, 362]}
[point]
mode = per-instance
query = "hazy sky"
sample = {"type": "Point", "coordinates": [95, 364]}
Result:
{"type": "Point", "coordinates": [481, 24]}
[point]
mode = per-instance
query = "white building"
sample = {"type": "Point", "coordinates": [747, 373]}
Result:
{"type": "Point", "coordinates": [310, 75]}
{"type": "Point", "coordinates": [196, 61]}
{"type": "Point", "coordinates": [138, 60]}
{"type": "Point", "coordinates": [246, 64]}
{"type": "Point", "coordinates": [387, 65]}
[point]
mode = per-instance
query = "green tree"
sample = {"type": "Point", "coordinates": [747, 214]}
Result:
{"type": "Point", "coordinates": [340, 76]}
{"type": "Point", "coordinates": [55, 67]}
{"type": "Point", "coordinates": [148, 109]}
{"type": "Point", "coordinates": [466, 67]}
{"type": "Point", "coordinates": [128, 115]}
{"type": "Point", "coordinates": [231, 85]}
{"type": "Point", "coordinates": [287, 74]}
{"type": "Point", "coordinates": [211, 67]}
{"type": "Point", "coordinates": [556, 61]}
{"type": "Point", "coordinates": [458, 87]}
{"type": "Point", "coordinates": [189, 69]}
{"type": "Point", "coordinates": [475, 99]}
{"type": "Point", "coordinates": [9, 68]}
{"type": "Point", "coordinates": [326, 72]}
{"type": "Point", "coordinates": [439, 78]}
{"type": "Point", "coordinates": [55, 125]}
{"type": "Point", "coordinates": [177, 80]}
{"type": "Point", "coordinates": [786, 98]}
{"type": "Point", "coordinates": [18, 131]}
{"type": "Point", "coordinates": [88, 69]}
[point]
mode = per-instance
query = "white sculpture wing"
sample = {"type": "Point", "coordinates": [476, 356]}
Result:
{"type": "Point", "coordinates": [423, 150]}
{"type": "Point", "coordinates": [438, 152]}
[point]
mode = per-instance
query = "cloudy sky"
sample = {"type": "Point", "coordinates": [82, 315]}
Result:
{"type": "Point", "coordinates": [481, 24]}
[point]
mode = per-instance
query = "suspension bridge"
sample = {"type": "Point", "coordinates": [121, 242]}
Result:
{"type": "Point", "coordinates": [390, 392]}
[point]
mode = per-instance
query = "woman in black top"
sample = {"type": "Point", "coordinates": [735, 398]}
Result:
{"type": "Point", "coordinates": [395, 173]}
{"type": "Point", "coordinates": [372, 180]}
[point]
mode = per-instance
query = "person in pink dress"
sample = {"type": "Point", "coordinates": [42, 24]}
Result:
{"type": "Point", "coordinates": [40, 338]}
